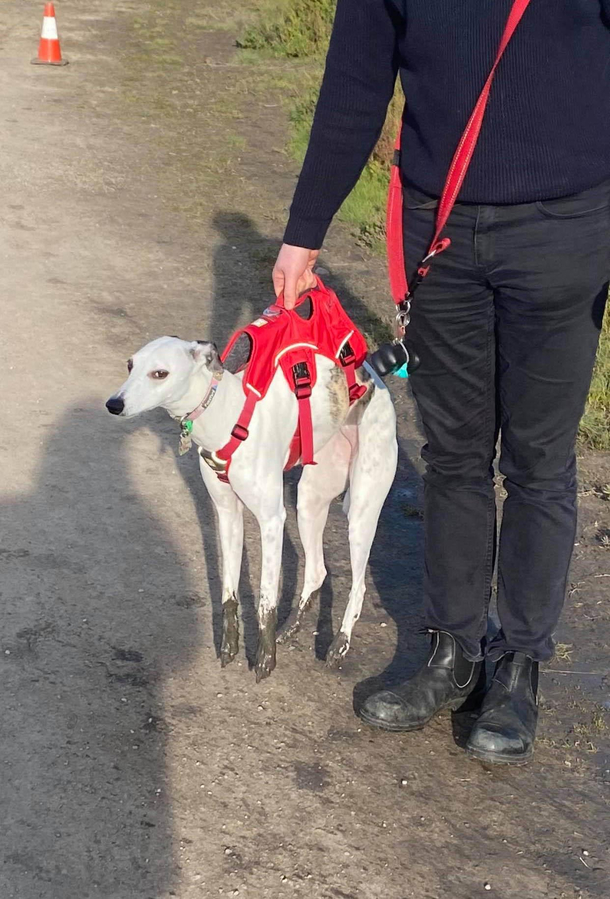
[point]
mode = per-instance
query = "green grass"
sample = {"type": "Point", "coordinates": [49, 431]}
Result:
{"type": "Point", "coordinates": [595, 425]}
{"type": "Point", "coordinates": [300, 29]}
{"type": "Point", "coordinates": [296, 29]}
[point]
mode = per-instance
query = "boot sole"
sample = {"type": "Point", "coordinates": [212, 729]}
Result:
{"type": "Point", "coordinates": [494, 758]}
{"type": "Point", "coordinates": [409, 728]}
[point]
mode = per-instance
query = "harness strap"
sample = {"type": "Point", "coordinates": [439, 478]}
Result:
{"type": "Point", "coordinates": [347, 358]}
{"type": "Point", "coordinates": [222, 457]}
{"type": "Point", "coordinates": [302, 391]}
{"type": "Point", "coordinates": [356, 390]}
{"type": "Point", "coordinates": [294, 452]}
{"type": "Point", "coordinates": [457, 172]}
{"type": "Point", "coordinates": [306, 432]}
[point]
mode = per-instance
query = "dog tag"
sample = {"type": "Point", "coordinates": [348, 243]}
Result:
{"type": "Point", "coordinates": [185, 437]}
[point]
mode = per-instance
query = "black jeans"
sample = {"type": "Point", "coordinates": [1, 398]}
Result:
{"type": "Point", "coordinates": [506, 326]}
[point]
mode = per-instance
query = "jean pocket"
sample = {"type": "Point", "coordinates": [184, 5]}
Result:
{"type": "Point", "coordinates": [589, 202]}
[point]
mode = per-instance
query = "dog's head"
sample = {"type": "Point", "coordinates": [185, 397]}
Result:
{"type": "Point", "coordinates": [166, 372]}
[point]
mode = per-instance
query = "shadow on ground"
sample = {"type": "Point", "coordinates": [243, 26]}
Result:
{"type": "Point", "coordinates": [98, 610]}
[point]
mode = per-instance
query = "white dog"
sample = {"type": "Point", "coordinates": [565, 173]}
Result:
{"type": "Point", "coordinates": [354, 444]}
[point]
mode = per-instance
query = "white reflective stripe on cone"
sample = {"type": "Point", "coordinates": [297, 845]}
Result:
{"type": "Point", "coordinates": [49, 28]}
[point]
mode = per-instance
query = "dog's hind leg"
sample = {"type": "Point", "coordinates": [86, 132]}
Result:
{"type": "Point", "coordinates": [372, 472]}
{"type": "Point", "coordinates": [318, 486]}
{"type": "Point", "coordinates": [229, 510]}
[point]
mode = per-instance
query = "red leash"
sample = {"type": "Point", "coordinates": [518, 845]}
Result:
{"type": "Point", "coordinates": [401, 293]}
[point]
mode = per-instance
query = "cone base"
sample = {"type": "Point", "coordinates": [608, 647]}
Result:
{"type": "Point", "coordinates": [44, 62]}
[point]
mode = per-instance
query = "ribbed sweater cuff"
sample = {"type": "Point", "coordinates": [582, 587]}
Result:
{"type": "Point", "coordinates": [309, 233]}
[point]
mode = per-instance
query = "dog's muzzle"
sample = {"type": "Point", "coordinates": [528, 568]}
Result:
{"type": "Point", "coordinates": [115, 405]}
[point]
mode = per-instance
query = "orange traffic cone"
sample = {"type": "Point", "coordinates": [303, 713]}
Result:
{"type": "Point", "coordinates": [49, 52]}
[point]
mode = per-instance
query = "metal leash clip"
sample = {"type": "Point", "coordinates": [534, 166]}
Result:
{"type": "Point", "coordinates": [403, 316]}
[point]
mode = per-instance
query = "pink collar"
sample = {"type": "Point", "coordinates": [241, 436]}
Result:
{"type": "Point", "coordinates": [205, 402]}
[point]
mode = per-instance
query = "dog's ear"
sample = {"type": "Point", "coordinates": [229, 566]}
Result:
{"type": "Point", "coordinates": [213, 359]}
{"type": "Point", "coordinates": [206, 353]}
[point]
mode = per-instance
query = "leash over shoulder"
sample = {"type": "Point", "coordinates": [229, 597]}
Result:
{"type": "Point", "coordinates": [395, 357]}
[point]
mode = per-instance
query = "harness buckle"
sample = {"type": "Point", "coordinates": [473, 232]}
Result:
{"type": "Point", "coordinates": [356, 392]}
{"type": "Point", "coordinates": [217, 465]}
{"type": "Point", "coordinates": [240, 432]}
{"type": "Point", "coordinates": [347, 355]}
{"type": "Point", "coordinates": [302, 380]}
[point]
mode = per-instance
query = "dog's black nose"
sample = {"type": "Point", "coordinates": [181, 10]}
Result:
{"type": "Point", "coordinates": [115, 405]}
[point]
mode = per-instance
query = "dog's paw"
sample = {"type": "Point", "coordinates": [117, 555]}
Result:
{"type": "Point", "coordinates": [227, 654]}
{"type": "Point", "coordinates": [293, 623]}
{"type": "Point", "coordinates": [230, 634]}
{"type": "Point", "coordinates": [291, 626]}
{"type": "Point", "coordinates": [338, 650]}
{"type": "Point", "coordinates": [265, 661]}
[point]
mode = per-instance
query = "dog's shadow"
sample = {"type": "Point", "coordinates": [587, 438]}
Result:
{"type": "Point", "coordinates": [243, 261]}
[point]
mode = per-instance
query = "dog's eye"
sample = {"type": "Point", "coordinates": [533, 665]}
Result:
{"type": "Point", "coordinates": [159, 375]}
{"type": "Point", "coordinates": [129, 365]}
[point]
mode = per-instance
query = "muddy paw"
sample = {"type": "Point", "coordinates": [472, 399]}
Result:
{"type": "Point", "coordinates": [227, 654]}
{"type": "Point", "coordinates": [265, 662]}
{"type": "Point", "coordinates": [230, 634]}
{"type": "Point", "coordinates": [291, 626]}
{"type": "Point", "coordinates": [229, 647]}
{"type": "Point", "coordinates": [338, 650]}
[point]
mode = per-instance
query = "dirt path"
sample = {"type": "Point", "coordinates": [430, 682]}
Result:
{"type": "Point", "coordinates": [144, 189]}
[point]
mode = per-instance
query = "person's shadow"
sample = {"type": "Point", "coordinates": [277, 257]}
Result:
{"type": "Point", "coordinates": [243, 261]}
{"type": "Point", "coordinates": [98, 611]}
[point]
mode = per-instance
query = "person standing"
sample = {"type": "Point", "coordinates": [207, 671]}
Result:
{"type": "Point", "coordinates": [506, 326]}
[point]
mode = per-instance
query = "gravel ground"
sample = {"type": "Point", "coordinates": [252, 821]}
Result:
{"type": "Point", "coordinates": [144, 190]}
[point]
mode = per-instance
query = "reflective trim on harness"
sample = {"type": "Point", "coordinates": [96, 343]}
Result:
{"type": "Point", "coordinates": [294, 346]}
{"type": "Point", "coordinates": [340, 350]}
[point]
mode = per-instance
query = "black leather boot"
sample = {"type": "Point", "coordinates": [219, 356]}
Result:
{"type": "Point", "coordinates": [505, 730]}
{"type": "Point", "coordinates": [444, 682]}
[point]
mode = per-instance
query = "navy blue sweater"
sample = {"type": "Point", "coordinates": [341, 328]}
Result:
{"type": "Point", "coordinates": [547, 128]}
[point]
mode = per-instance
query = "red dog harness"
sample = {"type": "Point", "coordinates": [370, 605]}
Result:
{"type": "Point", "coordinates": [280, 337]}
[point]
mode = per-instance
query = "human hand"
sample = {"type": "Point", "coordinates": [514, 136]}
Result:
{"type": "Point", "coordinates": [293, 272]}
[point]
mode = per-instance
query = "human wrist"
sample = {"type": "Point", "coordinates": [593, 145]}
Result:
{"type": "Point", "coordinates": [306, 233]}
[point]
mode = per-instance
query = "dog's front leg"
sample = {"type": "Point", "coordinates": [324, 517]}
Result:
{"type": "Point", "coordinates": [229, 509]}
{"type": "Point", "coordinates": [272, 535]}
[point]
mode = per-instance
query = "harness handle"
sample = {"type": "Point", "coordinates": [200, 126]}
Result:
{"type": "Point", "coordinates": [460, 163]}
{"type": "Point", "coordinates": [319, 285]}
